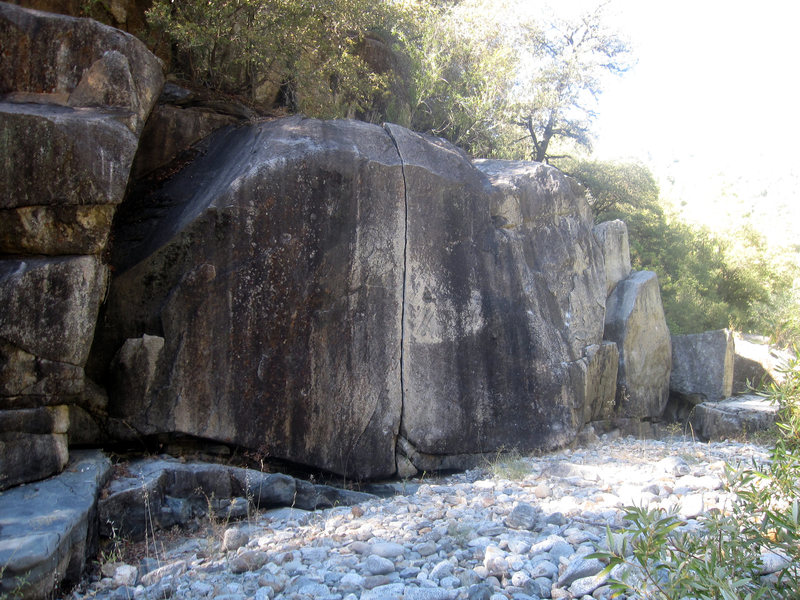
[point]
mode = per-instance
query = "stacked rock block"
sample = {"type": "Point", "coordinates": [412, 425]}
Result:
{"type": "Point", "coordinates": [74, 95]}
{"type": "Point", "coordinates": [636, 326]}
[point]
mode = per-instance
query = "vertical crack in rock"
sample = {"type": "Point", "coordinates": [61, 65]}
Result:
{"type": "Point", "coordinates": [403, 300]}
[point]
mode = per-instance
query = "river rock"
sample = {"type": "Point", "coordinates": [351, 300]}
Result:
{"type": "Point", "coordinates": [702, 365]}
{"type": "Point", "coordinates": [635, 321]}
{"type": "Point", "coordinates": [613, 239]}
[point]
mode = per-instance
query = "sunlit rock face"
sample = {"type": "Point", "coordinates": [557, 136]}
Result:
{"type": "Point", "coordinates": [635, 321]}
{"type": "Point", "coordinates": [330, 291]}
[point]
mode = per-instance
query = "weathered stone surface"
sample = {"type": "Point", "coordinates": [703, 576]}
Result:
{"type": "Point", "coordinates": [50, 306]}
{"type": "Point", "coordinates": [78, 59]}
{"type": "Point", "coordinates": [133, 369]}
{"type": "Point", "coordinates": [733, 417]}
{"type": "Point", "coordinates": [60, 156]}
{"type": "Point", "coordinates": [274, 274]}
{"type": "Point", "coordinates": [756, 363]}
{"type": "Point", "coordinates": [613, 239]}
{"type": "Point", "coordinates": [702, 365]}
{"type": "Point", "coordinates": [499, 303]}
{"type": "Point", "coordinates": [602, 363]}
{"type": "Point", "coordinates": [172, 130]}
{"type": "Point", "coordinates": [30, 456]}
{"type": "Point", "coordinates": [84, 428]}
{"type": "Point", "coordinates": [24, 375]}
{"type": "Point", "coordinates": [46, 419]}
{"type": "Point", "coordinates": [292, 262]}
{"type": "Point", "coordinates": [635, 321]}
{"type": "Point", "coordinates": [55, 230]}
{"type": "Point", "coordinates": [39, 546]}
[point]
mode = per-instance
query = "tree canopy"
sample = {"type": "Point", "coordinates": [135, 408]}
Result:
{"type": "Point", "coordinates": [495, 78]}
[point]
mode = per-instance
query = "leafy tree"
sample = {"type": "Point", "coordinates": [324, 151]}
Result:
{"type": "Point", "coordinates": [464, 66]}
{"type": "Point", "coordinates": [613, 185]}
{"type": "Point", "coordinates": [563, 71]}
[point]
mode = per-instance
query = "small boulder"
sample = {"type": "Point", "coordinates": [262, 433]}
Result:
{"type": "Point", "coordinates": [702, 365]}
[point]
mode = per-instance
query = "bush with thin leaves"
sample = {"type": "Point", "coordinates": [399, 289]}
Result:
{"type": "Point", "coordinates": [726, 556]}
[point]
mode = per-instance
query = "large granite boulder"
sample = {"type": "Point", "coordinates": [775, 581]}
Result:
{"type": "Point", "coordinates": [272, 268]}
{"type": "Point", "coordinates": [504, 292]}
{"type": "Point", "coordinates": [324, 291]}
{"type": "Point", "coordinates": [74, 95]}
{"type": "Point", "coordinates": [702, 366]}
{"type": "Point", "coordinates": [635, 321]}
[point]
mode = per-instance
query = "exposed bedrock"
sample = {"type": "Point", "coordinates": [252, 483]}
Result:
{"type": "Point", "coordinates": [272, 267]}
{"type": "Point", "coordinates": [320, 290]}
{"type": "Point", "coordinates": [74, 95]}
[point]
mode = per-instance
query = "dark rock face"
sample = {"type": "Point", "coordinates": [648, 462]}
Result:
{"type": "Point", "coordinates": [496, 318]}
{"type": "Point", "coordinates": [272, 268]}
{"type": "Point", "coordinates": [264, 296]}
{"type": "Point", "coordinates": [74, 95]}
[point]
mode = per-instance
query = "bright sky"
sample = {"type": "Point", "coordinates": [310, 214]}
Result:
{"type": "Point", "coordinates": [712, 105]}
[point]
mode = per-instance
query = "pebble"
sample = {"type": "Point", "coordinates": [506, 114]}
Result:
{"type": "Point", "coordinates": [468, 536]}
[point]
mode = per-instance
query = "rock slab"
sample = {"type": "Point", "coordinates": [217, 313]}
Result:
{"type": "Point", "coordinates": [733, 417]}
{"type": "Point", "coordinates": [47, 529]}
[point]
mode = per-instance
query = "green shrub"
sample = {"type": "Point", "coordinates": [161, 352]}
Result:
{"type": "Point", "coordinates": [661, 559]}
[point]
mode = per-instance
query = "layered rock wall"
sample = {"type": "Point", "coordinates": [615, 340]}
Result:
{"type": "Point", "coordinates": [74, 96]}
